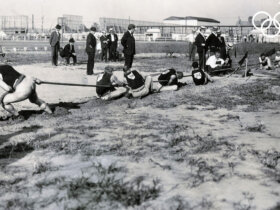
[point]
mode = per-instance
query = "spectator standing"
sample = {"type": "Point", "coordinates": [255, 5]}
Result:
{"type": "Point", "coordinates": [221, 45]}
{"type": "Point", "coordinates": [128, 43]}
{"type": "Point", "coordinates": [90, 50]}
{"type": "Point", "coordinates": [192, 46]}
{"type": "Point", "coordinates": [212, 41]}
{"type": "Point", "coordinates": [104, 46]}
{"type": "Point", "coordinates": [55, 44]}
{"type": "Point", "coordinates": [200, 45]}
{"type": "Point", "coordinates": [113, 45]}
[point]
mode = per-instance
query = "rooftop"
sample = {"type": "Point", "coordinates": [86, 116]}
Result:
{"type": "Point", "coordinates": [202, 19]}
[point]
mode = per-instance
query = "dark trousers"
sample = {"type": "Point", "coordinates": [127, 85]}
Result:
{"type": "Point", "coordinates": [112, 53]}
{"type": "Point", "coordinates": [55, 50]}
{"type": "Point", "coordinates": [192, 51]}
{"type": "Point", "coordinates": [90, 63]}
{"type": "Point", "coordinates": [202, 60]}
{"type": "Point", "coordinates": [71, 56]}
{"type": "Point", "coordinates": [128, 60]}
{"type": "Point", "coordinates": [104, 53]}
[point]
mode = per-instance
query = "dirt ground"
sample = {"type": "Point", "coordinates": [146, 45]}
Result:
{"type": "Point", "coordinates": [201, 147]}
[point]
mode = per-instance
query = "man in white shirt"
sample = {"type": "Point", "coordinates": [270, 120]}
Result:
{"type": "Point", "coordinates": [192, 47]}
{"type": "Point", "coordinates": [214, 62]}
{"type": "Point", "coordinates": [113, 45]}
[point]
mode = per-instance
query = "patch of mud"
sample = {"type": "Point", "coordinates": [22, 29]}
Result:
{"type": "Point", "coordinates": [60, 111]}
{"type": "Point", "coordinates": [275, 90]}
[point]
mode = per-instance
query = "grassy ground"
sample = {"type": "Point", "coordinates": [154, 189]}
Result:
{"type": "Point", "coordinates": [202, 147]}
{"type": "Point", "coordinates": [31, 56]}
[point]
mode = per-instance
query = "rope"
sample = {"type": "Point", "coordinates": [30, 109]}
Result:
{"type": "Point", "coordinates": [74, 84]}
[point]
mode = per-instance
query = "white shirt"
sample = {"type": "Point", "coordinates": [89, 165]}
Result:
{"type": "Point", "coordinates": [191, 38]}
{"type": "Point", "coordinates": [112, 37]}
{"type": "Point", "coordinates": [214, 62]}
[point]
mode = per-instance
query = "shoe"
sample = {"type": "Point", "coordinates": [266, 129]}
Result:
{"type": "Point", "coordinates": [46, 108]}
{"type": "Point", "coordinates": [105, 98]}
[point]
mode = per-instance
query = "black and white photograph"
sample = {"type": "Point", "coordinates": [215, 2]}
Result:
{"type": "Point", "coordinates": [129, 104]}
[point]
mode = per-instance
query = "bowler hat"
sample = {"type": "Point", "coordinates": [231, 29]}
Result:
{"type": "Point", "coordinates": [131, 26]}
{"type": "Point", "coordinates": [58, 26]}
{"type": "Point", "coordinates": [92, 28]}
{"type": "Point", "coordinates": [109, 69]}
{"type": "Point", "coordinates": [230, 45]}
{"type": "Point", "coordinates": [71, 40]}
{"type": "Point", "coordinates": [215, 28]}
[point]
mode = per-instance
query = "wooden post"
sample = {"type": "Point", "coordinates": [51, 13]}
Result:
{"type": "Point", "coordinates": [246, 67]}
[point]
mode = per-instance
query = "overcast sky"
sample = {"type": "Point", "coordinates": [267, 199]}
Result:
{"type": "Point", "coordinates": [226, 11]}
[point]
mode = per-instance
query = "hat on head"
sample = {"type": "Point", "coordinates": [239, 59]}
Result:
{"type": "Point", "coordinates": [230, 45]}
{"type": "Point", "coordinates": [111, 29]}
{"type": "Point", "coordinates": [180, 74]}
{"type": "Point", "coordinates": [195, 64]}
{"type": "Point", "coordinates": [131, 26]}
{"type": "Point", "coordinates": [125, 68]}
{"type": "Point", "coordinates": [109, 69]}
{"type": "Point", "coordinates": [71, 40]}
{"type": "Point", "coordinates": [219, 31]}
{"type": "Point", "coordinates": [202, 28]}
{"type": "Point", "coordinates": [215, 28]}
{"type": "Point", "coordinates": [92, 28]}
{"type": "Point", "coordinates": [58, 26]}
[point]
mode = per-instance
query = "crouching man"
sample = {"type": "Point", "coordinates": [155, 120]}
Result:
{"type": "Point", "coordinates": [199, 76]}
{"type": "Point", "coordinates": [108, 85]}
{"type": "Point", "coordinates": [168, 80]}
{"type": "Point", "coordinates": [265, 62]}
{"type": "Point", "coordinates": [139, 86]}
{"type": "Point", "coordinates": [18, 88]}
{"type": "Point", "coordinates": [214, 62]}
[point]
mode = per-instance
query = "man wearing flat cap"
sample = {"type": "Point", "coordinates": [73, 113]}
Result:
{"type": "Point", "coordinates": [69, 51]}
{"type": "Point", "coordinates": [55, 44]}
{"type": "Point", "coordinates": [200, 46]}
{"type": "Point", "coordinates": [192, 48]}
{"type": "Point", "coordinates": [104, 46]}
{"type": "Point", "coordinates": [113, 45]}
{"type": "Point", "coordinates": [212, 41]}
{"type": "Point", "coordinates": [90, 50]}
{"type": "Point", "coordinates": [128, 43]}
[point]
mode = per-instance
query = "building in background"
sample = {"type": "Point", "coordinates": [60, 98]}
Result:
{"type": "Point", "coordinates": [120, 25]}
{"type": "Point", "coordinates": [190, 21]}
{"type": "Point", "coordinates": [71, 23]}
{"type": "Point", "coordinates": [14, 24]}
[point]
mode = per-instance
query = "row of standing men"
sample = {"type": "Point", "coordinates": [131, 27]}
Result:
{"type": "Point", "coordinates": [200, 44]}
{"type": "Point", "coordinates": [109, 42]}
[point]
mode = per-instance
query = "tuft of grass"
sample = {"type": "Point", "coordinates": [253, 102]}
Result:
{"type": "Point", "coordinates": [258, 128]}
{"type": "Point", "coordinates": [15, 149]}
{"type": "Point", "coordinates": [245, 203]}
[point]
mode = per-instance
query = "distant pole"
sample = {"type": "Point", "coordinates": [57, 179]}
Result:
{"type": "Point", "coordinates": [32, 22]}
{"type": "Point", "coordinates": [42, 24]}
{"type": "Point", "coordinates": [128, 19]}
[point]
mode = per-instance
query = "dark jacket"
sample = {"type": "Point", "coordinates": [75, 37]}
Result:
{"type": "Point", "coordinates": [90, 43]}
{"type": "Point", "coordinates": [128, 43]}
{"type": "Point", "coordinates": [104, 41]}
{"type": "Point", "coordinates": [114, 43]}
{"type": "Point", "coordinates": [199, 40]}
{"type": "Point", "coordinates": [212, 43]}
{"type": "Point", "coordinates": [68, 51]}
{"type": "Point", "coordinates": [222, 47]}
{"type": "Point", "coordinates": [54, 39]}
